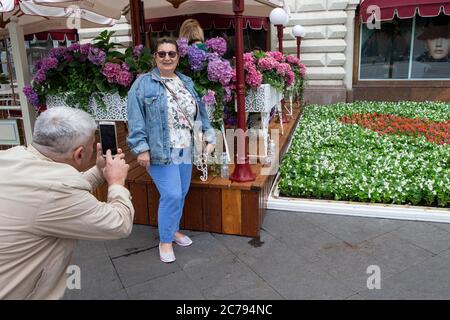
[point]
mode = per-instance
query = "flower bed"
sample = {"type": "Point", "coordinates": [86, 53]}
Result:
{"type": "Point", "coordinates": [396, 153]}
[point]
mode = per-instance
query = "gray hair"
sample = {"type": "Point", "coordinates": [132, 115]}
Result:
{"type": "Point", "coordinates": [62, 128]}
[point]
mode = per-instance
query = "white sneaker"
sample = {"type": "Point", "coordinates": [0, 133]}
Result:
{"type": "Point", "coordinates": [166, 257]}
{"type": "Point", "coordinates": [183, 241]}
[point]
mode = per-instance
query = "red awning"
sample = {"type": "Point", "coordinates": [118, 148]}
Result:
{"type": "Point", "coordinates": [404, 9]}
{"type": "Point", "coordinates": [207, 21]}
{"type": "Point", "coordinates": [59, 35]}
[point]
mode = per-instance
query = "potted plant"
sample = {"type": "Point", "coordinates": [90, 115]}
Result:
{"type": "Point", "coordinates": [93, 77]}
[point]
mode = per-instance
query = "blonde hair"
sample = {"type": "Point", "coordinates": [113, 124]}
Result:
{"type": "Point", "coordinates": [192, 30]}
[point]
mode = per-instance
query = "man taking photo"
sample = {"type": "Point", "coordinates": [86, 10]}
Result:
{"type": "Point", "coordinates": [46, 203]}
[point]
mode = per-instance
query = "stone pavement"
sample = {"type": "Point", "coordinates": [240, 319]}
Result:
{"type": "Point", "coordinates": [299, 256]}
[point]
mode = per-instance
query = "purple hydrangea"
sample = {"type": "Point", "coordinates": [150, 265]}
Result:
{"type": "Point", "coordinates": [217, 44]}
{"type": "Point", "coordinates": [97, 56]}
{"type": "Point", "coordinates": [40, 76]}
{"type": "Point", "coordinates": [212, 56]}
{"type": "Point", "coordinates": [137, 50]}
{"type": "Point", "coordinates": [209, 98]}
{"type": "Point", "coordinates": [220, 71]}
{"type": "Point", "coordinates": [31, 95]}
{"type": "Point", "coordinates": [85, 48]}
{"type": "Point", "coordinates": [183, 46]}
{"type": "Point", "coordinates": [68, 57]}
{"type": "Point", "coordinates": [37, 65]}
{"type": "Point", "coordinates": [49, 63]}
{"type": "Point", "coordinates": [74, 47]}
{"type": "Point", "coordinates": [57, 52]}
{"type": "Point", "coordinates": [197, 57]}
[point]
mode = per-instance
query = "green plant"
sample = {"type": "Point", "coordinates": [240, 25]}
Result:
{"type": "Point", "coordinates": [329, 159]}
{"type": "Point", "coordinates": [82, 72]}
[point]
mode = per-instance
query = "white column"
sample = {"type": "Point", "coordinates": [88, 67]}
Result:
{"type": "Point", "coordinates": [22, 76]}
{"type": "Point", "coordinates": [350, 41]}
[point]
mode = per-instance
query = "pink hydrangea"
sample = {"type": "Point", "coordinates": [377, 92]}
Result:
{"type": "Point", "coordinates": [268, 63]}
{"type": "Point", "coordinates": [254, 78]}
{"type": "Point", "coordinates": [302, 69]}
{"type": "Point", "coordinates": [276, 55]}
{"type": "Point", "coordinates": [249, 61]}
{"type": "Point", "coordinates": [293, 60]}
{"type": "Point", "coordinates": [283, 69]}
{"type": "Point", "coordinates": [290, 78]}
{"type": "Point", "coordinates": [111, 71]}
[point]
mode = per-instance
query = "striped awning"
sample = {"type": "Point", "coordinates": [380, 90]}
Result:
{"type": "Point", "coordinates": [59, 35]}
{"type": "Point", "coordinates": [207, 21]}
{"type": "Point", "coordinates": [384, 10]}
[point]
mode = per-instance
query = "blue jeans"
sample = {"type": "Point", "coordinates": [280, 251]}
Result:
{"type": "Point", "coordinates": [173, 181]}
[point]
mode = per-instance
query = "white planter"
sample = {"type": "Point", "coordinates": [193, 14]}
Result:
{"type": "Point", "coordinates": [262, 100]}
{"type": "Point", "coordinates": [116, 106]}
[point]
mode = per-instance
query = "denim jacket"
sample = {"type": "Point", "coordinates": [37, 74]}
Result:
{"type": "Point", "coordinates": [147, 117]}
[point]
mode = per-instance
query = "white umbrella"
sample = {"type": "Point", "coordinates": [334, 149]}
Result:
{"type": "Point", "coordinates": [41, 15]}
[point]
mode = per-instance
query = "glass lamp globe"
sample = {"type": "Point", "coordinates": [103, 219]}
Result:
{"type": "Point", "coordinates": [298, 31]}
{"type": "Point", "coordinates": [278, 17]}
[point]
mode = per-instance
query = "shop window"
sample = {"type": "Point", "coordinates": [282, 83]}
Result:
{"type": "Point", "coordinates": [413, 49]}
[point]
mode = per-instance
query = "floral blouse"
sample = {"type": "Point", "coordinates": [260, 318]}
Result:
{"type": "Point", "coordinates": [179, 126]}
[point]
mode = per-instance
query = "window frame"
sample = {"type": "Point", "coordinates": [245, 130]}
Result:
{"type": "Point", "coordinates": [410, 82]}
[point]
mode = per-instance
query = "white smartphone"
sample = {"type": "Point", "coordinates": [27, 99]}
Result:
{"type": "Point", "coordinates": [108, 137]}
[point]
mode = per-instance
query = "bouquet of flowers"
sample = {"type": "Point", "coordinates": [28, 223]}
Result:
{"type": "Point", "coordinates": [211, 73]}
{"type": "Point", "coordinates": [84, 71]}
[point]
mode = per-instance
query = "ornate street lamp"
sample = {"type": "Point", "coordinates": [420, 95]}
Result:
{"type": "Point", "coordinates": [298, 32]}
{"type": "Point", "coordinates": [279, 18]}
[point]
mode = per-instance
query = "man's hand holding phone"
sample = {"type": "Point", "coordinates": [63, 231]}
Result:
{"type": "Point", "coordinates": [101, 158]}
{"type": "Point", "coordinates": [116, 169]}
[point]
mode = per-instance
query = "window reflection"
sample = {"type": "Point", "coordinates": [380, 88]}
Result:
{"type": "Point", "coordinates": [432, 48]}
{"type": "Point", "coordinates": [385, 52]}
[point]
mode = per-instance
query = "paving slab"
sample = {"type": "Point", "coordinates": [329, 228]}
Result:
{"type": "Point", "coordinates": [443, 226]}
{"type": "Point", "coordinates": [141, 238]}
{"type": "Point", "coordinates": [142, 267]}
{"type": "Point", "coordinates": [222, 277]}
{"type": "Point", "coordinates": [354, 229]}
{"type": "Point", "coordinates": [174, 286]}
{"type": "Point", "coordinates": [426, 236]}
{"type": "Point", "coordinates": [390, 253]}
{"type": "Point", "coordinates": [262, 291]}
{"type": "Point", "coordinates": [300, 236]}
{"type": "Point", "coordinates": [204, 249]}
{"type": "Point", "coordinates": [427, 280]}
{"type": "Point", "coordinates": [290, 274]}
{"type": "Point", "coordinates": [98, 278]}
{"type": "Point", "coordinates": [89, 249]}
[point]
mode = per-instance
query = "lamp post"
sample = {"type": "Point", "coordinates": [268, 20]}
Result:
{"type": "Point", "coordinates": [242, 170]}
{"type": "Point", "coordinates": [279, 18]}
{"type": "Point", "coordinates": [298, 32]}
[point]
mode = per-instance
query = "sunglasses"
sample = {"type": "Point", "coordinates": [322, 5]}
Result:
{"type": "Point", "coordinates": [162, 54]}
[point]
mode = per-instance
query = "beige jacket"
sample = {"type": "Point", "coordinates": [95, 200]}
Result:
{"type": "Point", "coordinates": [45, 207]}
